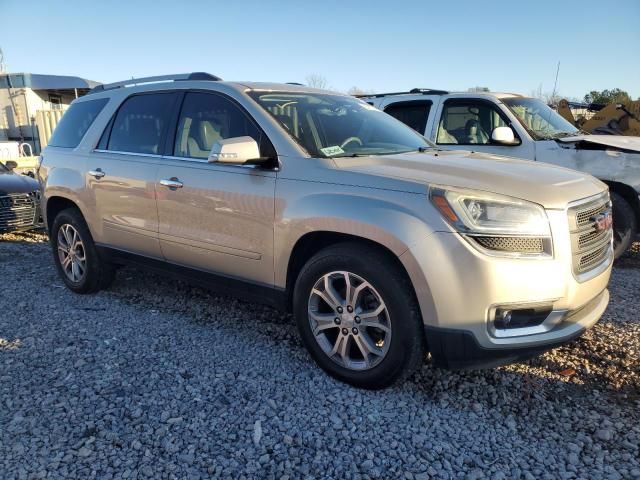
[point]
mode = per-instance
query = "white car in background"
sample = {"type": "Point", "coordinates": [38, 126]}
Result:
{"type": "Point", "coordinates": [517, 126]}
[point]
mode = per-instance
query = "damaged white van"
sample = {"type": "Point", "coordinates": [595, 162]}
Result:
{"type": "Point", "coordinates": [517, 126]}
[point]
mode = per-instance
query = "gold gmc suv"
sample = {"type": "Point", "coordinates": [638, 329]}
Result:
{"type": "Point", "coordinates": [383, 246]}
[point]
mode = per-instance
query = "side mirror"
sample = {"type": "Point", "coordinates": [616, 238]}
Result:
{"type": "Point", "coordinates": [11, 164]}
{"type": "Point", "coordinates": [504, 136]}
{"type": "Point", "coordinates": [235, 151]}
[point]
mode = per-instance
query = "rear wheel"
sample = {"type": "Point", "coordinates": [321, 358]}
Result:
{"type": "Point", "coordinates": [625, 224]}
{"type": "Point", "coordinates": [358, 317]}
{"type": "Point", "coordinates": [75, 255]}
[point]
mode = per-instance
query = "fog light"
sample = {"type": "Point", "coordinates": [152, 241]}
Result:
{"type": "Point", "coordinates": [507, 318]}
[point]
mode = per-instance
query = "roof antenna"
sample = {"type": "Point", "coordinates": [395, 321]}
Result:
{"type": "Point", "coordinates": [553, 93]}
{"type": "Point", "coordinates": [555, 84]}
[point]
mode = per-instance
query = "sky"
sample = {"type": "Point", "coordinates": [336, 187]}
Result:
{"type": "Point", "coordinates": [374, 45]}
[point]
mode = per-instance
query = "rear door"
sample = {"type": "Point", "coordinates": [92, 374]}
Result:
{"type": "Point", "coordinates": [467, 124]}
{"type": "Point", "coordinates": [123, 170]}
{"type": "Point", "coordinates": [220, 217]}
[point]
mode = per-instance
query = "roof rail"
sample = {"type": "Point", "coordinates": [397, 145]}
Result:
{"type": "Point", "coordinates": [158, 78]}
{"type": "Point", "coordinates": [423, 91]}
{"type": "Point", "coordinates": [429, 91]}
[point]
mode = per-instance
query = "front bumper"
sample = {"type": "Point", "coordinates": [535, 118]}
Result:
{"type": "Point", "coordinates": [459, 349]}
{"type": "Point", "coordinates": [459, 290]}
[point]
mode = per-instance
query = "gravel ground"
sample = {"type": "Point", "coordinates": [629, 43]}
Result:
{"type": "Point", "coordinates": [157, 379]}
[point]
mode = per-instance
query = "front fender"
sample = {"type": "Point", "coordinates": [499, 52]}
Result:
{"type": "Point", "coordinates": [605, 164]}
{"type": "Point", "coordinates": [395, 220]}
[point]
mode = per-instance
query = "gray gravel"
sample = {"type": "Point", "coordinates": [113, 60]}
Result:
{"type": "Point", "coordinates": [157, 379]}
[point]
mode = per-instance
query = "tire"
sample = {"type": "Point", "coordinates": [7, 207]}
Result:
{"type": "Point", "coordinates": [625, 224]}
{"type": "Point", "coordinates": [97, 273]}
{"type": "Point", "coordinates": [395, 335]}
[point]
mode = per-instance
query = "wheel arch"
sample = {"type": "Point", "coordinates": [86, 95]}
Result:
{"type": "Point", "coordinates": [628, 193]}
{"type": "Point", "coordinates": [55, 205]}
{"type": "Point", "coordinates": [312, 242]}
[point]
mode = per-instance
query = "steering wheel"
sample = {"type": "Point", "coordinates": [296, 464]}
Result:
{"type": "Point", "coordinates": [350, 140]}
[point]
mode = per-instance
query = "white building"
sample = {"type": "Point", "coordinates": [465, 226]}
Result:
{"type": "Point", "coordinates": [31, 104]}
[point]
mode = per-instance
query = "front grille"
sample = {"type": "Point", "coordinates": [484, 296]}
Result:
{"type": "Point", "coordinates": [512, 244]}
{"type": "Point", "coordinates": [18, 211]}
{"type": "Point", "coordinates": [590, 247]}
{"type": "Point", "coordinates": [593, 258]}
{"type": "Point", "coordinates": [583, 217]}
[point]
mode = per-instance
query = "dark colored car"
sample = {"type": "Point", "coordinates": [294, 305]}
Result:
{"type": "Point", "coordinates": [19, 201]}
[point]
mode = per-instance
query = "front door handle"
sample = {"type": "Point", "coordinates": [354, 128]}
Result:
{"type": "Point", "coordinates": [97, 173]}
{"type": "Point", "coordinates": [172, 183]}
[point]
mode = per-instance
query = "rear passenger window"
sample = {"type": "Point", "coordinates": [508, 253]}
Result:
{"type": "Point", "coordinates": [75, 122]}
{"type": "Point", "coordinates": [413, 114]}
{"type": "Point", "coordinates": [207, 118]}
{"type": "Point", "coordinates": [140, 123]}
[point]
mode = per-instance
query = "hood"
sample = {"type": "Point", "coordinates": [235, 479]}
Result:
{"type": "Point", "coordinates": [592, 142]}
{"type": "Point", "coordinates": [13, 183]}
{"type": "Point", "coordinates": [547, 185]}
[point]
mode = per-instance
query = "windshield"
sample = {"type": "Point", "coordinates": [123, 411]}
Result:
{"type": "Point", "coordinates": [339, 126]}
{"type": "Point", "coordinates": [3, 168]}
{"type": "Point", "coordinates": [541, 121]}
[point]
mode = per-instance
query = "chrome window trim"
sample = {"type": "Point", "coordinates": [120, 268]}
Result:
{"type": "Point", "coordinates": [205, 161]}
{"type": "Point", "coordinates": [120, 152]}
{"type": "Point", "coordinates": [182, 159]}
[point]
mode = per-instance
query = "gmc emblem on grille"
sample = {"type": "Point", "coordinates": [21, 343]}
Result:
{"type": "Point", "coordinates": [603, 221]}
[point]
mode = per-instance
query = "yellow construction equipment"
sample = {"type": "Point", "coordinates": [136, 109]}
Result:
{"type": "Point", "coordinates": [612, 119]}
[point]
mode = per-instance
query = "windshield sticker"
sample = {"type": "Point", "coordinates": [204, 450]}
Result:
{"type": "Point", "coordinates": [329, 151]}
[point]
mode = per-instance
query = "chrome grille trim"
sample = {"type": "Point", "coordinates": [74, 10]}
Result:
{"type": "Point", "coordinates": [19, 210]}
{"type": "Point", "coordinates": [590, 248]}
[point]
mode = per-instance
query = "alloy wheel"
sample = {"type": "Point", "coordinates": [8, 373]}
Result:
{"type": "Point", "coordinates": [71, 253]}
{"type": "Point", "coordinates": [349, 320]}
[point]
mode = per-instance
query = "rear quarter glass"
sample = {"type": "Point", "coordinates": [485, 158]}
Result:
{"type": "Point", "coordinates": [75, 122]}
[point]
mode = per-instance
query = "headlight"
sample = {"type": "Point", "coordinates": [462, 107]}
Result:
{"type": "Point", "coordinates": [497, 222]}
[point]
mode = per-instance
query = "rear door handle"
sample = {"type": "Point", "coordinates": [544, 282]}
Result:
{"type": "Point", "coordinates": [172, 183]}
{"type": "Point", "coordinates": [97, 173]}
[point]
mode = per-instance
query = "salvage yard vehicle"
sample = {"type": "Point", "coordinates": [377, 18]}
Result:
{"type": "Point", "coordinates": [19, 200]}
{"type": "Point", "coordinates": [383, 247]}
{"type": "Point", "coordinates": [611, 119]}
{"type": "Point", "coordinates": [517, 126]}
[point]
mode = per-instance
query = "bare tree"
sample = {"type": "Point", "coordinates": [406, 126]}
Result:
{"type": "Point", "coordinates": [358, 91]}
{"type": "Point", "coordinates": [550, 98]}
{"type": "Point", "coordinates": [315, 80]}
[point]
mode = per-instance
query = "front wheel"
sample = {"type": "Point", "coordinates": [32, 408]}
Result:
{"type": "Point", "coordinates": [358, 317]}
{"type": "Point", "coordinates": [625, 224]}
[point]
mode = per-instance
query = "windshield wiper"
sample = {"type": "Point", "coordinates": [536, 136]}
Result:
{"type": "Point", "coordinates": [352, 155]}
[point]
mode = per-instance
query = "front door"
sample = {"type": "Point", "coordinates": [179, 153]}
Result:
{"type": "Point", "coordinates": [467, 124]}
{"type": "Point", "coordinates": [214, 217]}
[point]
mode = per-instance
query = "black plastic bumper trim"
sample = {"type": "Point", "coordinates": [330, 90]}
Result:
{"type": "Point", "coordinates": [459, 349]}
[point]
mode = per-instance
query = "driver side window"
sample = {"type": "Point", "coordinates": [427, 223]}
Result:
{"type": "Point", "coordinates": [206, 118]}
{"type": "Point", "coordinates": [468, 123]}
